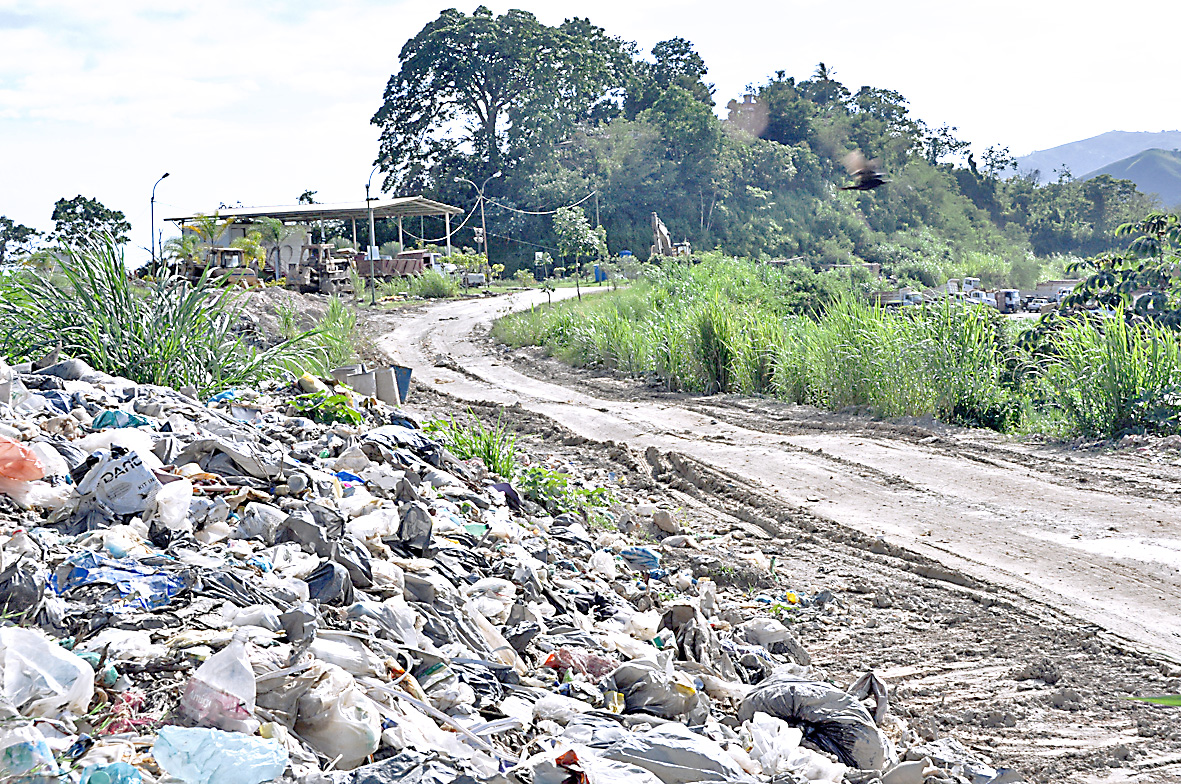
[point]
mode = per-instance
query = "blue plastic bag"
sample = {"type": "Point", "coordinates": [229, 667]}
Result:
{"type": "Point", "coordinates": [197, 755]}
{"type": "Point", "coordinates": [144, 586]}
{"type": "Point", "coordinates": [643, 559]}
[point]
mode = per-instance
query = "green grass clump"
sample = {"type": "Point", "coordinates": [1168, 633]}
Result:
{"type": "Point", "coordinates": [433, 285]}
{"type": "Point", "coordinates": [168, 331]}
{"type": "Point", "coordinates": [1116, 377]}
{"type": "Point", "coordinates": [494, 444]}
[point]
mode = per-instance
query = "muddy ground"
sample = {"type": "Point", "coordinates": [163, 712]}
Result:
{"type": "Point", "coordinates": [1004, 666]}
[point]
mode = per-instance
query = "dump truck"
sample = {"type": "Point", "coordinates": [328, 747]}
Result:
{"type": "Point", "coordinates": [321, 270]}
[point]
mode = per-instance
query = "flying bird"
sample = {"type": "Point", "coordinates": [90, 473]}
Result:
{"type": "Point", "coordinates": [866, 175]}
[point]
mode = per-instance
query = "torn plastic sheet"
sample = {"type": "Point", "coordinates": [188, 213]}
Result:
{"type": "Point", "coordinates": [247, 457]}
{"type": "Point", "coordinates": [146, 587]}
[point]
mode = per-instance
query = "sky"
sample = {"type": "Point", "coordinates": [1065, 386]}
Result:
{"type": "Point", "coordinates": [256, 102]}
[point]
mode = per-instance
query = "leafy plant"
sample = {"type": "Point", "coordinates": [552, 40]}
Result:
{"type": "Point", "coordinates": [433, 285]}
{"type": "Point", "coordinates": [552, 489]}
{"type": "Point", "coordinates": [327, 407]}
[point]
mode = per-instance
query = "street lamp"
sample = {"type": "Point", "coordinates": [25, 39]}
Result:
{"type": "Point", "coordinates": [154, 220]}
{"type": "Point", "coordinates": [373, 250]}
{"type": "Point", "coordinates": [483, 224]}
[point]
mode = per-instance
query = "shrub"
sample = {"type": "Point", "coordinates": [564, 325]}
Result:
{"type": "Point", "coordinates": [433, 285]}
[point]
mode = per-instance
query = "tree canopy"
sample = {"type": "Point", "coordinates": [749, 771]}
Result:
{"type": "Point", "coordinates": [569, 110]}
{"type": "Point", "coordinates": [81, 217]}
{"type": "Point", "coordinates": [14, 238]}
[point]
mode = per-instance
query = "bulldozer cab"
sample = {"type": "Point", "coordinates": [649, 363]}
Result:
{"type": "Point", "coordinates": [224, 263]}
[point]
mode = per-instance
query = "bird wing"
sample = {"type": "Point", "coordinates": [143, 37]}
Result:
{"type": "Point", "coordinates": [854, 162]}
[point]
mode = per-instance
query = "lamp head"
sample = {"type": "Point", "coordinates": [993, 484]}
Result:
{"type": "Point", "coordinates": [165, 175]}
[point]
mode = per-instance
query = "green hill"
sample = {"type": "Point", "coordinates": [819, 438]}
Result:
{"type": "Point", "coordinates": [1088, 155]}
{"type": "Point", "coordinates": [1153, 171]}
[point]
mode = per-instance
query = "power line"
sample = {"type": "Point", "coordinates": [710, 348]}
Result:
{"type": "Point", "coordinates": [544, 212]}
{"type": "Point", "coordinates": [444, 237]}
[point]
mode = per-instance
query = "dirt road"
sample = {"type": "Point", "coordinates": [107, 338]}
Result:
{"type": "Point", "coordinates": [1014, 595]}
{"type": "Point", "coordinates": [1096, 535]}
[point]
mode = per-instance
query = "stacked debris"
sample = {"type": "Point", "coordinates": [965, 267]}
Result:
{"type": "Point", "coordinates": [298, 584]}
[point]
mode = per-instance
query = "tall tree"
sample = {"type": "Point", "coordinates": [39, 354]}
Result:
{"type": "Point", "coordinates": [76, 219]}
{"type": "Point", "coordinates": [14, 238]}
{"type": "Point", "coordinates": [676, 64]}
{"type": "Point", "coordinates": [493, 83]}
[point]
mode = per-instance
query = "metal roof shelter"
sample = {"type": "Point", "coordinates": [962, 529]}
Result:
{"type": "Point", "coordinates": [400, 207]}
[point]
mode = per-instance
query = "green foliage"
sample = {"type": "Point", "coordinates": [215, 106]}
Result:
{"type": "Point", "coordinates": [186, 247]}
{"type": "Point", "coordinates": [251, 245]}
{"type": "Point", "coordinates": [328, 407]}
{"type": "Point", "coordinates": [433, 285]}
{"type": "Point", "coordinates": [77, 219]}
{"type": "Point", "coordinates": [552, 489]}
{"type": "Point", "coordinates": [1172, 700]}
{"type": "Point", "coordinates": [496, 83]}
{"type": "Point", "coordinates": [333, 342]}
{"type": "Point", "coordinates": [1141, 281]}
{"type": "Point", "coordinates": [575, 236]}
{"type": "Point", "coordinates": [209, 227]}
{"type": "Point", "coordinates": [495, 444]}
{"type": "Point", "coordinates": [14, 239]}
{"type": "Point", "coordinates": [170, 332]}
{"type": "Point", "coordinates": [1115, 377]}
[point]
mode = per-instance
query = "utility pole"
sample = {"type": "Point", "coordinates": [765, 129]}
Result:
{"type": "Point", "coordinates": [373, 249]}
{"type": "Point", "coordinates": [153, 211]}
{"type": "Point", "coordinates": [483, 223]}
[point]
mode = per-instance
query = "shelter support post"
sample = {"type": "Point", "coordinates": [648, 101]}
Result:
{"type": "Point", "coordinates": [447, 226]}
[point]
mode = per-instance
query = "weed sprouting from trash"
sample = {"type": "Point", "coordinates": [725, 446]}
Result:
{"type": "Point", "coordinates": [495, 444]}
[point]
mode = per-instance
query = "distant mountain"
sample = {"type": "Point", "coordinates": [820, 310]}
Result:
{"type": "Point", "coordinates": [1153, 171]}
{"type": "Point", "coordinates": [1092, 154]}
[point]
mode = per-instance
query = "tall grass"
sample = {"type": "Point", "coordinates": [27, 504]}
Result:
{"type": "Point", "coordinates": [433, 285]}
{"type": "Point", "coordinates": [1117, 377]}
{"type": "Point", "coordinates": [495, 444]}
{"type": "Point", "coordinates": [729, 326]}
{"type": "Point", "coordinates": [169, 332]}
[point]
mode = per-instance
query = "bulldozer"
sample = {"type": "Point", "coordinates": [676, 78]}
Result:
{"type": "Point", "coordinates": [228, 264]}
{"type": "Point", "coordinates": [321, 270]}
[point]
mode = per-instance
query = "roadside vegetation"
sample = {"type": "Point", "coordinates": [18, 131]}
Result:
{"type": "Point", "coordinates": [167, 331]}
{"type": "Point", "coordinates": [736, 326]}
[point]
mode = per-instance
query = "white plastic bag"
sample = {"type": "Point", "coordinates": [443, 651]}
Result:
{"type": "Point", "coordinates": [338, 720]}
{"type": "Point", "coordinates": [41, 678]}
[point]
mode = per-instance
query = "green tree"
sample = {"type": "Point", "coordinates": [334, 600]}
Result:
{"type": "Point", "coordinates": [676, 64]}
{"type": "Point", "coordinates": [182, 249]}
{"type": "Point", "coordinates": [210, 227]}
{"type": "Point", "coordinates": [495, 84]}
{"type": "Point", "coordinates": [76, 220]}
{"type": "Point", "coordinates": [251, 245]}
{"type": "Point", "coordinates": [14, 238]}
{"type": "Point", "coordinates": [1141, 280]}
{"type": "Point", "coordinates": [576, 237]}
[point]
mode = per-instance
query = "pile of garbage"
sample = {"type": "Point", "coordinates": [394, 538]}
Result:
{"type": "Point", "coordinates": [297, 584]}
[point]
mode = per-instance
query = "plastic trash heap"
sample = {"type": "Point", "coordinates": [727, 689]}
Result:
{"type": "Point", "coordinates": [271, 586]}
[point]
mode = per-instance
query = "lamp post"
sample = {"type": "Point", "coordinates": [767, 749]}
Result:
{"type": "Point", "coordinates": [153, 210]}
{"type": "Point", "coordinates": [372, 254]}
{"type": "Point", "coordinates": [483, 224]}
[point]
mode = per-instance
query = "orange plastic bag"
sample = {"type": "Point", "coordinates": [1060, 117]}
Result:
{"type": "Point", "coordinates": [19, 462]}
